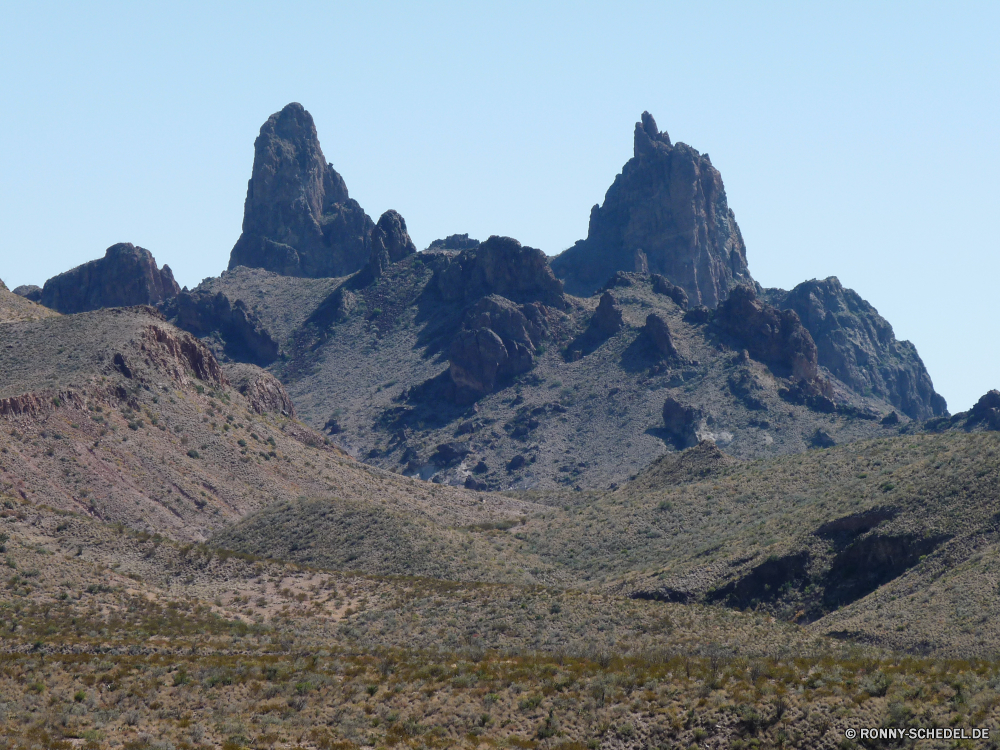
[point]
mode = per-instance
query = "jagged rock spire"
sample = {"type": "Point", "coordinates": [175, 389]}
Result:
{"type": "Point", "coordinates": [666, 213]}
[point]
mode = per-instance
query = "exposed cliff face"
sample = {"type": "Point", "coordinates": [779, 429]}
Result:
{"type": "Point", "coordinates": [127, 275]}
{"type": "Point", "coordinates": [298, 219]}
{"type": "Point", "coordinates": [857, 345]}
{"type": "Point", "coordinates": [501, 265]}
{"type": "Point", "coordinates": [666, 213]}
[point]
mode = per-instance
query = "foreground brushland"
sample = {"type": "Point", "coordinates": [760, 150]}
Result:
{"type": "Point", "coordinates": [116, 638]}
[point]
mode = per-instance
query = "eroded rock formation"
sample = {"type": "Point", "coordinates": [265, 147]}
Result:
{"type": "Point", "coordinates": [202, 313]}
{"type": "Point", "coordinates": [390, 244]}
{"type": "Point", "coordinates": [501, 265]}
{"type": "Point", "coordinates": [666, 213]}
{"type": "Point", "coordinates": [498, 341]}
{"type": "Point", "coordinates": [31, 292]}
{"type": "Point", "coordinates": [657, 332]}
{"type": "Point", "coordinates": [127, 275]}
{"type": "Point", "coordinates": [858, 345]}
{"type": "Point", "coordinates": [298, 219]}
{"type": "Point", "coordinates": [682, 422]}
{"type": "Point", "coordinates": [263, 392]}
{"type": "Point", "coordinates": [775, 337]}
{"type": "Point", "coordinates": [608, 317]}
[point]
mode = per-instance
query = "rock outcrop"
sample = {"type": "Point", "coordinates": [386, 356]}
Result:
{"type": "Point", "coordinates": [454, 242]}
{"type": "Point", "coordinates": [31, 292]}
{"type": "Point", "coordinates": [298, 219]}
{"type": "Point", "coordinates": [657, 332]}
{"type": "Point", "coordinates": [390, 243]}
{"type": "Point", "coordinates": [263, 392]}
{"type": "Point", "coordinates": [666, 213]}
{"type": "Point", "coordinates": [858, 345]}
{"type": "Point", "coordinates": [662, 286]}
{"type": "Point", "coordinates": [608, 318]}
{"type": "Point", "coordinates": [682, 422]}
{"type": "Point", "coordinates": [127, 275]}
{"type": "Point", "coordinates": [500, 265]}
{"type": "Point", "coordinates": [202, 313]}
{"type": "Point", "coordinates": [498, 341]}
{"type": "Point", "coordinates": [772, 336]}
{"type": "Point", "coordinates": [986, 411]}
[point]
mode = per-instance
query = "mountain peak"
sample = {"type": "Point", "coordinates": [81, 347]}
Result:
{"type": "Point", "coordinates": [298, 218]}
{"type": "Point", "coordinates": [666, 213]}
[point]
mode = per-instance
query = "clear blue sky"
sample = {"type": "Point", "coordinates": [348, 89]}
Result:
{"type": "Point", "coordinates": [855, 139]}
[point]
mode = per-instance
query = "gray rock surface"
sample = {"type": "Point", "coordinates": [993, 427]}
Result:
{"type": "Point", "coordinates": [858, 345]}
{"type": "Point", "coordinates": [500, 265]}
{"type": "Point", "coordinates": [497, 342]}
{"type": "Point", "coordinates": [608, 318]}
{"type": "Point", "coordinates": [298, 219]}
{"type": "Point", "coordinates": [202, 313]}
{"type": "Point", "coordinates": [127, 275]}
{"type": "Point", "coordinates": [29, 291]}
{"type": "Point", "coordinates": [666, 213]}
{"type": "Point", "coordinates": [390, 243]}
{"type": "Point", "coordinates": [658, 333]}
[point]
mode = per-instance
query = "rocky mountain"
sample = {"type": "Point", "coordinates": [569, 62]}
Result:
{"type": "Point", "coordinates": [298, 219]}
{"type": "Point", "coordinates": [858, 345]}
{"type": "Point", "coordinates": [127, 275]}
{"type": "Point", "coordinates": [666, 213]}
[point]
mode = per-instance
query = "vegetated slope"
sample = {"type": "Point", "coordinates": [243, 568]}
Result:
{"type": "Point", "coordinates": [115, 636]}
{"type": "Point", "coordinates": [117, 415]}
{"type": "Point", "coordinates": [370, 366]}
{"type": "Point", "coordinates": [14, 307]}
{"type": "Point", "coordinates": [890, 540]}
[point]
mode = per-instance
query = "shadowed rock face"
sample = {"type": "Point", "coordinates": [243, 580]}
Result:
{"type": "Point", "coordinates": [666, 213]}
{"type": "Point", "coordinates": [858, 345]}
{"type": "Point", "coordinates": [298, 219]}
{"type": "Point", "coordinates": [201, 313]}
{"type": "Point", "coordinates": [127, 275]}
{"type": "Point", "coordinates": [775, 337]}
{"type": "Point", "coordinates": [501, 265]}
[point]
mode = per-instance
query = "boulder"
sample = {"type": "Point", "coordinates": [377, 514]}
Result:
{"type": "Point", "coordinates": [858, 345]}
{"type": "Point", "coordinates": [390, 233]}
{"type": "Point", "coordinates": [497, 342]}
{"type": "Point", "coordinates": [666, 213]}
{"type": "Point", "coordinates": [775, 337]}
{"type": "Point", "coordinates": [501, 265]}
{"type": "Point", "coordinates": [657, 332]}
{"type": "Point", "coordinates": [608, 318]}
{"type": "Point", "coordinates": [298, 219]}
{"type": "Point", "coordinates": [126, 276]}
